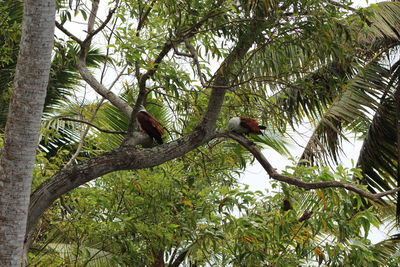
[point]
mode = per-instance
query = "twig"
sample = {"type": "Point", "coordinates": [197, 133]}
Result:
{"type": "Point", "coordinates": [66, 207]}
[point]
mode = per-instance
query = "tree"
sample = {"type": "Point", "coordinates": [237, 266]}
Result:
{"type": "Point", "coordinates": [264, 50]}
{"type": "Point", "coordinates": [364, 101]}
{"type": "Point", "coordinates": [22, 127]}
{"type": "Point", "coordinates": [163, 216]}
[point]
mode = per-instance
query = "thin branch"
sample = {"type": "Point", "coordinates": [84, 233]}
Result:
{"type": "Point", "coordinates": [144, 17]}
{"type": "Point", "coordinates": [68, 33]}
{"type": "Point", "coordinates": [92, 32]}
{"type": "Point", "coordinates": [193, 52]}
{"type": "Point", "coordinates": [182, 54]}
{"type": "Point", "coordinates": [94, 126]}
{"type": "Point", "coordinates": [117, 78]}
{"type": "Point", "coordinates": [170, 43]}
{"type": "Point", "coordinates": [109, 37]}
{"type": "Point", "coordinates": [92, 18]}
{"type": "Point", "coordinates": [251, 147]}
{"type": "Point", "coordinates": [66, 207]}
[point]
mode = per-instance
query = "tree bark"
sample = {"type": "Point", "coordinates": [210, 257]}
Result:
{"type": "Point", "coordinates": [397, 101]}
{"type": "Point", "coordinates": [22, 128]}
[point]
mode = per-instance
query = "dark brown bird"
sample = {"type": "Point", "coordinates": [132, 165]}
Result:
{"type": "Point", "coordinates": [305, 216]}
{"type": "Point", "coordinates": [245, 125]}
{"type": "Point", "coordinates": [150, 125]}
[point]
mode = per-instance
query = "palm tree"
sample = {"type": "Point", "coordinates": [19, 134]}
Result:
{"type": "Point", "coordinates": [361, 95]}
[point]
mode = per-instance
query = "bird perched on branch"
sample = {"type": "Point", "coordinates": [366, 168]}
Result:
{"type": "Point", "coordinates": [245, 125]}
{"type": "Point", "coordinates": [150, 125]}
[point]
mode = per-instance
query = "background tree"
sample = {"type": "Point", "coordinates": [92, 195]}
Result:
{"type": "Point", "coordinates": [22, 127]}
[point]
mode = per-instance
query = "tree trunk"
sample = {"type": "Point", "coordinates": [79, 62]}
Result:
{"type": "Point", "coordinates": [22, 128]}
{"type": "Point", "coordinates": [158, 258]}
{"type": "Point", "coordinates": [397, 101]}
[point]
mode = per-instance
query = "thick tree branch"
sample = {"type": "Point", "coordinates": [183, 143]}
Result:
{"type": "Point", "coordinates": [250, 146]}
{"type": "Point", "coordinates": [101, 89]}
{"type": "Point", "coordinates": [123, 158]}
{"type": "Point", "coordinates": [225, 73]}
{"type": "Point", "coordinates": [129, 158]}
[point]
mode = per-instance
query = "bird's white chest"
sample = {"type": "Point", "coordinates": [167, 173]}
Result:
{"type": "Point", "coordinates": [234, 126]}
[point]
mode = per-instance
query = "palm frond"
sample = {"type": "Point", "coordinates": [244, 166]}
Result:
{"type": "Point", "coordinates": [70, 254]}
{"type": "Point", "coordinates": [384, 23]}
{"type": "Point", "coordinates": [358, 100]}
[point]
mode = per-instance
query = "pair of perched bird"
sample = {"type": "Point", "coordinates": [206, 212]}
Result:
{"type": "Point", "coordinates": [240, 125]}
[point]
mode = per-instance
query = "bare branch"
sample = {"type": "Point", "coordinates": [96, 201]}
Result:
{"type": "Point", "coordinates": [92, 17]}
{"type": "Point", "coordinates": [101, 89]}
{"type": "Point", "coordinates": [88, 77]}
{"type": "Point", "coordinates": [250, 146]}
{"type": "Point", "coordinates": [68, 33]}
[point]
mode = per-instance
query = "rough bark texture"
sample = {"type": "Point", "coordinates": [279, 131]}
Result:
{"type": "Point", "coordinates": [22, 128]}
{"type": "Point", "coordinates": [397, 101]}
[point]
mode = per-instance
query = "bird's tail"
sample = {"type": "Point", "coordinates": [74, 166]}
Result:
{"type": "Point", "coordinates": [159, 140]}
{"type": "Point", "coordinates": [262, 127]}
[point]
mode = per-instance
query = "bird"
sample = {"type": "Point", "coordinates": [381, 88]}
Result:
{"type": "Point", "coordinates": [245, 125]}
{"type": "Point", "coordinates": [305, 216]}
{"type": "Point", "coordinates": [150, 125]}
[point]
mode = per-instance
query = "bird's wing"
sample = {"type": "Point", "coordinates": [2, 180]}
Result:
{"type": "Point", "coordinates": [149, 124]}
{"type": "Point", "coordinates": [249, 123]}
